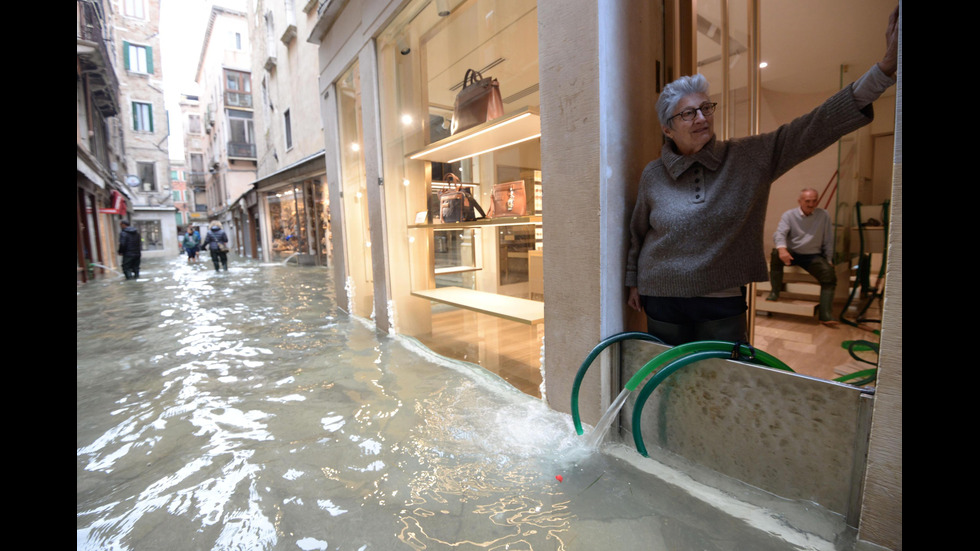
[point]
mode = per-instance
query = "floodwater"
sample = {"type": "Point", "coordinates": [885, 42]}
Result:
{"type": "Point", "coordinates": [244, 410]}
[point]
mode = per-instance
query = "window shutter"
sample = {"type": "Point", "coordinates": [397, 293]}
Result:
{"type": "Point", "coordinates": [149, 60]}
{"type": "Point", "coordinates": [149, 107]}
{"type": "Point", "coordinates": [126, 55]}
{"type": "Point", "coordinates": [136, 116]}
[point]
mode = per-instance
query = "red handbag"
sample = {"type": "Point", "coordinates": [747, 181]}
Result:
{"type": "Point", "coordinates": [478, 102]}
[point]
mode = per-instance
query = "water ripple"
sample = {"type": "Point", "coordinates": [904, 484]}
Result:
{"type": "Point", "coordinates": [244, 410]}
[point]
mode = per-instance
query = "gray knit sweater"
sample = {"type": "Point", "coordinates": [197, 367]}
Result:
{"type": "Point", "coordinates": [698, 221]}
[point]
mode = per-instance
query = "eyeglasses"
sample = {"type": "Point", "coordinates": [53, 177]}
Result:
{"type": "Point", "coordinates": [688, 114]}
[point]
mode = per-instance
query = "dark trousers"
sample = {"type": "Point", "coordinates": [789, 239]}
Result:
{"type": "Point", "coordinates": [682, 320]}
{"type": "Point", "coordinates": [220, 259]}
{"type": "Point", "coordinates": [817, 266]}
{"type": "Point", "coordinates": [131, 266]}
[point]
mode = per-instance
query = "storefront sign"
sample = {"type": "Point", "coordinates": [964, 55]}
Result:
{"type": "Point", "coordinates": [118, 205]}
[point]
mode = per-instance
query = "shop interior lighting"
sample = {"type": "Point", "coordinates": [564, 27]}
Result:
{"type": "Point", "coordinates": [404, 47]}
{"type": "Point", "coordinates": [520, 127]}
{"type": "Point", "coordinates": [501, 146]}
{"type": "Point", "coordinates": [442, 8]}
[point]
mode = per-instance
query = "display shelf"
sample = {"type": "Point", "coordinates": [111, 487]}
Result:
{"type": "Point", "coordinates": [509, 130]}
{"type": "Point", "coordinates": [521, 310]}
{"type": "Point", "coordinates": [505, 131]}
{"type": "Point", "coordinates": [456, 270]}
{"type": "Point", "coordinates": [500, 221]}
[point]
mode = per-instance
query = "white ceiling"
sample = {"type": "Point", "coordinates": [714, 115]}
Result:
{"type": "Point", "coordinates": [805, 42]}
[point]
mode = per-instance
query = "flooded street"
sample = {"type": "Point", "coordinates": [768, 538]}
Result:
{"type": "Point", "coordinates": [244, 410]}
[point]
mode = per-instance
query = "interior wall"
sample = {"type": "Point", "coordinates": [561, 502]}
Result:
{"type": "Point", "coordinates": [776, 108]}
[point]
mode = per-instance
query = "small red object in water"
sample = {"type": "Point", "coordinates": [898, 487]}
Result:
{"type": "Point", "coordinates": [559, 478]}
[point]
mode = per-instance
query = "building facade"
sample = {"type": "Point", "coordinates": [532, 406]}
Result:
{"type": "Point", "coordinates": [101, 198]}
{"type": "Point", "coordinates": [195, 151]}
{"type": "Point", "coordinates": [286, 216]}
{"type": "Point", "coordinates": [226, 100]}
{"type": "Point", "coordinates": [180, 195]}
{"type": "Point", "coordinates": [145, 125]}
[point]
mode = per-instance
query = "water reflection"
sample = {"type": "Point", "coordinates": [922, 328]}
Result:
{"type": "Point", "coordinates": [243, 410]}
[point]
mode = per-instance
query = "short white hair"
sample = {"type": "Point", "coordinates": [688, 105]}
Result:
{"type": "Point", "coordinates": [674, 92]}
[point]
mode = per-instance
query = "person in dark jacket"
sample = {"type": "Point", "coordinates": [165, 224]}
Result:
{"type": "Point", "coordinates": [130, 247]}
{"type": "Point", "coordinates": [215, 243]}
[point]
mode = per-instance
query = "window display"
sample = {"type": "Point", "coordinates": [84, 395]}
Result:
{"type": "Point", "coordinates": [298, 223]}
{"type": "Point", "coordinates": [152, 234]}
{"type": "Point", "coordinates": [461, 135]}
{"type": "Point", "coordinates": [285, 211]}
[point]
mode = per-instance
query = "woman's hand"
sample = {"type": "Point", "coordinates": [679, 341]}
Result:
{"type": "Point", "coordinates": [889, 63]}
{"type": "Point", "coordinates": [634, 299]}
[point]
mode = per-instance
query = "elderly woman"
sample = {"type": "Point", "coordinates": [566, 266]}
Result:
{"type": "Point", "coordinates": [696, 230]}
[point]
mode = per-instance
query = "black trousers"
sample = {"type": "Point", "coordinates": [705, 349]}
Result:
{"type": "Point", "coordinates": [731, 329]}
{"type": "Point", "coordinates": [677, 320]}
{"type": "Point", "coordinates": [219, 257]}
{"type": "Point", "coordinates": [131, 266]}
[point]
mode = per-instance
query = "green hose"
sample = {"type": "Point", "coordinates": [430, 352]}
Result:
{"type": "Point", "coordinates": [754, 355]}
{"type": "Point", "coordinates": [674, 359]}
{"type": "Point", "coordinates": [627, 335]}
{"type": "Point", "coordinates": [868, 376]}
{"type": "Point", "coordinates": [863, 277]}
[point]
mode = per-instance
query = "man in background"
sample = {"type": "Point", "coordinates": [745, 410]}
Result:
{"type": "Point", "coordinates": [804, 238]}
{"type": "Point", "coordinates": [130, 247]}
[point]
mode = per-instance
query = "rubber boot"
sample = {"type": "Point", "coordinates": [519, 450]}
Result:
{"type": "Point", "coordinates": [775, 276]}
{"type": "Point", "coordinates": [827, 304]}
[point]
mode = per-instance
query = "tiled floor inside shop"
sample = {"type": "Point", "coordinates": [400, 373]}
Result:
{"type": "Point", "coordinates": [816, 350]}
{"type": "Point", "coordinates": [507, 348]}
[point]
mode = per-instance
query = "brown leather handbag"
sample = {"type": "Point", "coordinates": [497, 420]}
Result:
{"type": "Point", "coordinates": [458, 204]}
{"type": "Point", "coordinates": [508, 199]}
{"type": "Point", "coordinates": [478, 102]}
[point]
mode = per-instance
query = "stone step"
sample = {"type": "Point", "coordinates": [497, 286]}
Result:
{"type": "Point", "coordinates": [799, 289]}
{"type": "Point", "coordinates": [807, 308]}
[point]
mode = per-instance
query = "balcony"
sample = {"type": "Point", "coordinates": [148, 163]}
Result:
{"type": "Point", "coordinates": [196, 179]}
{"type": "Point", "coordinates": [238, 99]}
{"type": "Point", "coordinates": [95, 59]}
{"type": "Point", "coordinates": [288, 34]}
{"type": "Point", "coordinates": [327, 12]}
{"type": "Point", "coordinates": [241, 150]}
